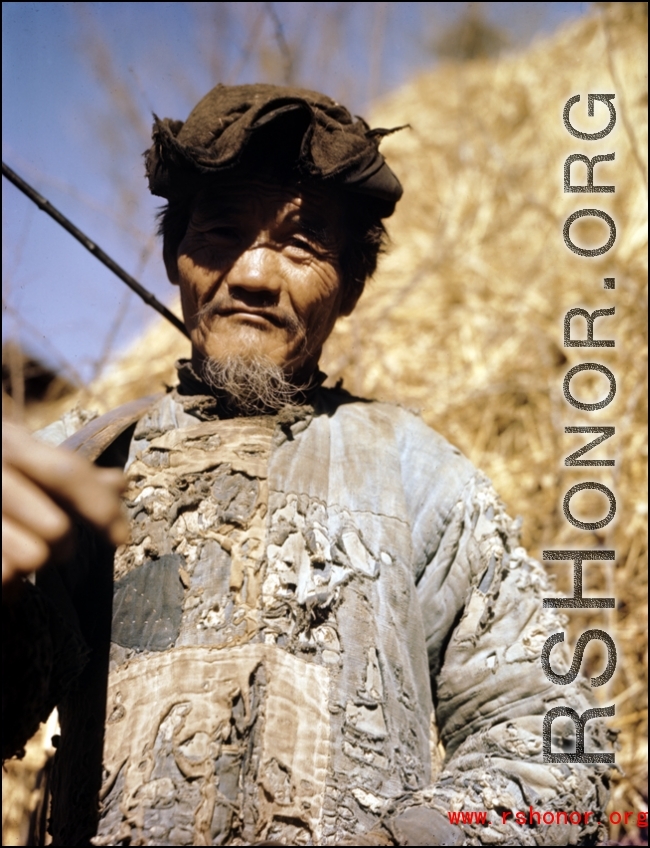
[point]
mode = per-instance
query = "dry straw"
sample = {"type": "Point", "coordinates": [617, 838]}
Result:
{"type": "Point", "coordinates": [464, 317]}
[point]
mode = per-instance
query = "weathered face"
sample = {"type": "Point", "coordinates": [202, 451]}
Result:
{"type": "Point", "coordinates": [259, 274]}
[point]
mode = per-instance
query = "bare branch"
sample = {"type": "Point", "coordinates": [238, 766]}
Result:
{"type": "Point", "coordinates": [629, 129]}
{"type": "Point", "coordinates": [283, 46]}
{"type": "Point", "coordinates": [249, 47]}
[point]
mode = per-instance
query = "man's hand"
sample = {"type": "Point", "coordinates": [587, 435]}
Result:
{"type": "Point", "coordinates": [43, 488]}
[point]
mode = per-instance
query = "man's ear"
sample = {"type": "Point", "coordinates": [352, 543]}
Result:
{"type": "Point", "coordinates": [349, 301]}
{"type": "Point", "coordinates": [171, 263]}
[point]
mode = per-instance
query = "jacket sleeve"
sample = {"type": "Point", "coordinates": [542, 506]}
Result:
{"type": "Point", "coordinates": [482, 603]}
{"type": "Point", "coordinates": [48, 629]}
{"type": "Point", "coordinates": [43, 652]}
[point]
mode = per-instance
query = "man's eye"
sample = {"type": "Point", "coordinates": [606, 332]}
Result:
{"type": "Point", "coordinates": [222, 234]}
{"type": "Point", "coordinates": [229, 233]}
{"type": "Point", "coordinates": [305, 244]}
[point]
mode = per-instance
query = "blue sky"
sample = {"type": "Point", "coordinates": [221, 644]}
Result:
{"type": "Point", "coordinates": [80, 81]}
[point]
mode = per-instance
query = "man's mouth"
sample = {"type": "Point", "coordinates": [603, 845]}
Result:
{"type": "Point", "coordinates": [250, 315]}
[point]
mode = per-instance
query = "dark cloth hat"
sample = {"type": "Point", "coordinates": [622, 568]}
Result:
{"type": "Point", "coordinates": [233, 125]}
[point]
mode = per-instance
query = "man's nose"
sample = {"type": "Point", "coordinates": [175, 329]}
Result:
{"type": "Point", "coordinates": [256, 272]}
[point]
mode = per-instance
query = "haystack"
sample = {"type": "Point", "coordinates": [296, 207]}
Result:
{"type": "Point", "coordinates": [464, 319]}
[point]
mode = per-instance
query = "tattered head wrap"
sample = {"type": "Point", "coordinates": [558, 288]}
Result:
{"type": "Point", "coordinates": [232, 123]}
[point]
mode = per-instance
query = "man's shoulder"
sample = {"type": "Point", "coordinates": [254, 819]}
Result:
{"type": "Point", "coordinates": [89, 433]}
{"type": "Point", "coordinates": [405, 422]}
{"type": "Point", "coordinates": [375, 422]}
{"type": "Point", "coordinates": [379, 420]}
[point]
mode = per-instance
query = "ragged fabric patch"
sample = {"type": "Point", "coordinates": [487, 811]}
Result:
{"type": "Point", "coordinates": [147, 605]}
{"type": "Point", "coordinates": [204, 744]}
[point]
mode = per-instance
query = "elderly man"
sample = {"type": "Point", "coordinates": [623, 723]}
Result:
{"type": "Point", "coordinates": [316, 588]}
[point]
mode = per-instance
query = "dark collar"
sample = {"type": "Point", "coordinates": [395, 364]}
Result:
{"type": "Point", "coordinates": [199, 399]}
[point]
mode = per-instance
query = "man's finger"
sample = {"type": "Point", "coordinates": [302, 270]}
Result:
{"type": "Point", "coordinates": [69, 479]}
{"type": "Point", "coordinates": [22, 551]}
{"type": "Point", "coordinates": [29, 506]}
{"type": "Point", "coordinates": [97, 498]}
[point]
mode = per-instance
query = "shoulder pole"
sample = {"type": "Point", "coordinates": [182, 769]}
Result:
{"type": "Point", "coordinates": [96, 251]}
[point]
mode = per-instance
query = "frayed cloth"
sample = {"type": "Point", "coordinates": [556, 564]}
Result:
{"type": "Point", "coordinates": [317, 136]}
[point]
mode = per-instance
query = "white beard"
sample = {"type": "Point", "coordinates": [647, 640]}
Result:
{"type": "Point", "coordinates": [251, 385]}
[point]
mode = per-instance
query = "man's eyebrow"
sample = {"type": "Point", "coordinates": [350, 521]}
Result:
{"type": "Point", "coordinates": [214, 208]}
{"type": "Point", "coordinates": [314, 226]}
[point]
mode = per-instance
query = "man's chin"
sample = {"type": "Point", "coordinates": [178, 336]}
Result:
{"type": "Point", "coordinates": [249, 382]}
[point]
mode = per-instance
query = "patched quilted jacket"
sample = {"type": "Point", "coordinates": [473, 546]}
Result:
{"type": "Point", "coordinates": [323, 621]}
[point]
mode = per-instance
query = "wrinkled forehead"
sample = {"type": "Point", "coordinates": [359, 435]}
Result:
{"type": "Point", "coordinates": [264, 201]}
